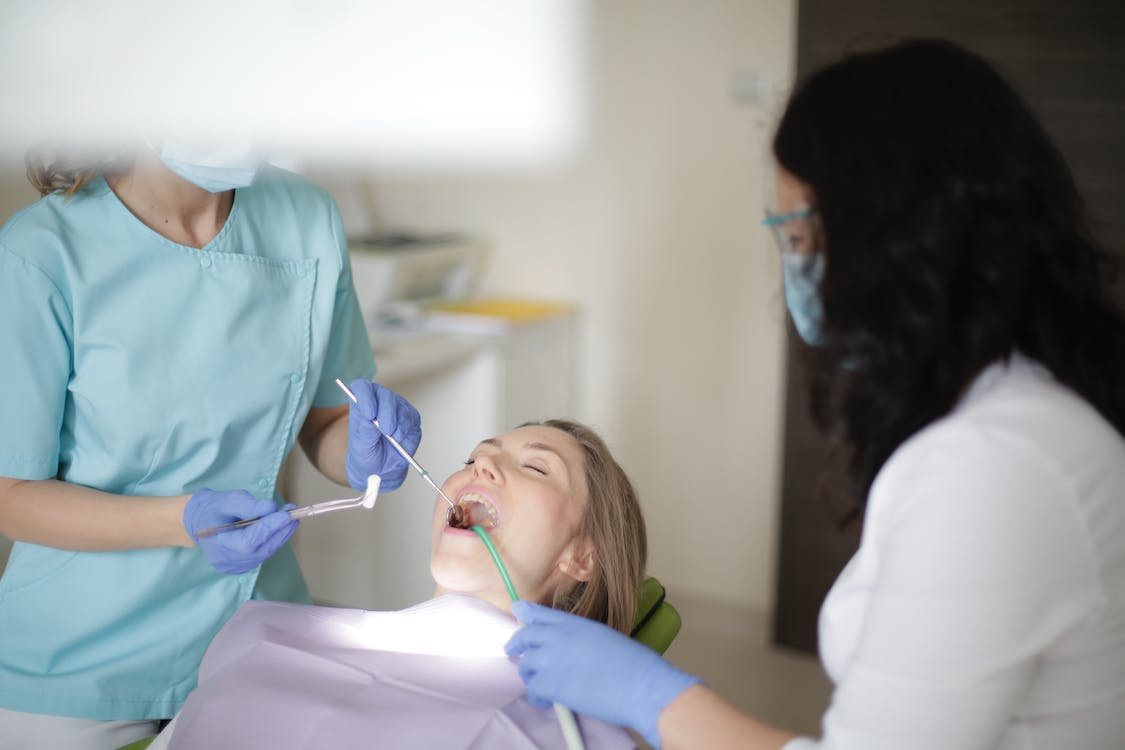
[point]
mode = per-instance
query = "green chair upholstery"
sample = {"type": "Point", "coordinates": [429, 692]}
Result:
{"type": "Point", "coordinates": [656, 625]}
{"type": "Point", "coordinates": [657, 621]}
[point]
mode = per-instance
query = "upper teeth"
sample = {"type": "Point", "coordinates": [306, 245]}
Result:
{"type": "Point", "coordinates": [472, 497]}
{"type": "Point", "coordinates": [487, 517]}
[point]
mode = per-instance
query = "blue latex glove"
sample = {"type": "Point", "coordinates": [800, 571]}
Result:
{"type": "Point", "coordinates": [593, 669]}
{"type": "Point", "coordinates": [238, 550]}
{"type": "Point", "coordinates": [368, 451]}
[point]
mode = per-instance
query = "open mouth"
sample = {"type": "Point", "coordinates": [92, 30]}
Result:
{"type": "Point", "coordinates": [473, 510]}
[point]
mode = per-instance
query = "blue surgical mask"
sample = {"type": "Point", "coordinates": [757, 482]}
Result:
{"type": "Point", "coordinates": [213, 170]}
{"type": "Point", "coordinates": [802, 275]}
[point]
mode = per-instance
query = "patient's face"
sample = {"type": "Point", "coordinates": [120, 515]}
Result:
{"type": "Point", "coordinates": [531, 483]}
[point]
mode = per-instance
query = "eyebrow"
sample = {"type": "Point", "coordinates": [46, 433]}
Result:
{"type": "Point", "coordinates": [545, 447]}
{"type": "Point", "coordinates": [533, 446]}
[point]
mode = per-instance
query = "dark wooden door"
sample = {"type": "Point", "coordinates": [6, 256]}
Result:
{"type": "Point", "coordinates": [1068, 59]}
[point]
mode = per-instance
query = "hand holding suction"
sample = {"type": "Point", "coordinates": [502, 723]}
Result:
{"type": "Point", "coordinates": [593, 669]}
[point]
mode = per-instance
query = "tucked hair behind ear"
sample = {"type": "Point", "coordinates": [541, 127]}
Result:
{"type": "Point", "coordinates": [614, 524]}
{"type": "Point", "coordinates": [954, 235]}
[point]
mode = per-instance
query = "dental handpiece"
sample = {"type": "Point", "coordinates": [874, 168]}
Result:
{"type": "Point", "coordinates": [401, 451]}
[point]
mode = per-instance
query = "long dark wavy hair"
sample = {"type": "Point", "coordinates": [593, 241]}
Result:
{"type": "Point", "coordinates": [954, 235]}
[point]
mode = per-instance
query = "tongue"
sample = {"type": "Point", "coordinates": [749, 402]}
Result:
{"type": "Point", "coordinates": [478, 515]}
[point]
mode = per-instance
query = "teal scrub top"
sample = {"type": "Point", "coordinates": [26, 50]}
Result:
{"type": "Point", "coordinates": [138, 366]}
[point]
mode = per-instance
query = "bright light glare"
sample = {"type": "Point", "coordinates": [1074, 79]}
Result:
{"type": "Point", "coordinates": [398, 83]}
{"type": "Point", "coordinates": [455, 625]}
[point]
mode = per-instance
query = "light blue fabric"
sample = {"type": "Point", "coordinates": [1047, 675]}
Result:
{"type": "Point", "coordinates": [802, 276]}
{"type": "Point", "coordinates": [141, 367]}
{"type": "Point", "coordinates": [213, 170]}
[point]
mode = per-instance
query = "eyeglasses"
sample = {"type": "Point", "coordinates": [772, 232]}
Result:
{"type": "Point", "coordinates": [794, 232]}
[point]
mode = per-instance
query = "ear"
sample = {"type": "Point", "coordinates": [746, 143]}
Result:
{"type": "Point", "coordinates": [578, 559]}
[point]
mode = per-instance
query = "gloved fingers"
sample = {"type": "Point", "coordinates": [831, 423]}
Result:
{"type": "Point", "coordinates": [267, 535]}
{"type": "Point", "coordinates": [409, 435]}
{"type": "Point", "coordinates": [243, 505]}
{"type": "Point", "coordinates": [521, 641]}
{"type": "Point", "coordinates": [208, 508]}
{"type": "Point", "coordinates": [399, 418]}
{"type": "Point", "coordinates": [533, 661]}
{"type": "Point", "coordinates": [368, 453]}
{"type": "Point", "coordinates": [537, 701]}
{"type": "Point", "coordinates": [391, 479]}
{"type": "Point", "coordinates": [236, 505]}
{"type": "Point", "coordinates": [366, 447]}
{"type": "Point", "coordinates": [233, 567]}
{"type": "Point", "coordinates": [386, 408]}
{"type": "Point", "coordinates": [530, 612]}
{"type": "Point", "coordinates": [529, 673]}
{"type": "Point", "coordinates": [365, 406]}
{"type": "Point", "coordinates": [539, 643]}
{"type": "Point", "coordinates": [239, 550]}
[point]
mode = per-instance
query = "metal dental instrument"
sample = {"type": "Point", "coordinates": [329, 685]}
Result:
{"type": "Point", "coordinates": [401, 451]}
{"type": "Point", "coordinates": [366, 500]}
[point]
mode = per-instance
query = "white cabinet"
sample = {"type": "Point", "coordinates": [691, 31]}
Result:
{"type": "Point", "coordinates": [466, 388]}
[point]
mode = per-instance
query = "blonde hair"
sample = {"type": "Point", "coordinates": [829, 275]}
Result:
{"type": "Point", "coordinates": [51, 171]}
{"type": "Point", "coordinates": [614, 525]}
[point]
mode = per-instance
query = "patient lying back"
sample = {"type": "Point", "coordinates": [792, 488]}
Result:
{"type": "Point", "coordinates": [566, 522]}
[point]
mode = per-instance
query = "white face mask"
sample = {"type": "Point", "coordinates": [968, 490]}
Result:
{"type": "Point", "coordinates": [213, 169]}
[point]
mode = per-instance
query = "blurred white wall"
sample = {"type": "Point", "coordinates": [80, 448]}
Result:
{"type": "Point", "coordinates": [381, 81]}
{"type": "Point", "coordinates": [653, 228]}
{"type": "Point", "coordinates": [654, 231]}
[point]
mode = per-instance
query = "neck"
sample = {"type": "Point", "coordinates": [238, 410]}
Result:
{"type": "Point", "coordinates": [170, 205]}
{"type": "Point", "coordinates": [496, 597]}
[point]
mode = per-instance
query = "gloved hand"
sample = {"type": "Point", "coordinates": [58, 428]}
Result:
{"type": "Point", "coordinates": [238, 550]}
{"type": "Point", "coordinates": [368, 451]}
{"type": "Point", "coordinates": [593, 669]}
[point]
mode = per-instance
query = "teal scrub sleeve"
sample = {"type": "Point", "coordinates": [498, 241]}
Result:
{"type": "Point", "coordinates": [35, 338]}
{"type": "Point", "coordinates": [349, 352]}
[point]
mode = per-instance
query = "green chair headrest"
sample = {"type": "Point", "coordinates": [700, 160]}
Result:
{"type": "Point", "coordinates": [657, 621]}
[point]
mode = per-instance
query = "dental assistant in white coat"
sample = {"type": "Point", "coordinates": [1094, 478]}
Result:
{"type": "Point", "coordinates": [172, 326]}
{"type": "Point", "coordinates": [964, 350]}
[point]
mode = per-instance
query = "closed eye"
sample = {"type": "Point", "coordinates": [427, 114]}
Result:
{"type": "Point", "coordinates": [537, 469]}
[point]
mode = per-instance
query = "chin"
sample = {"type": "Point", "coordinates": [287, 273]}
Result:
{"type": "Point", "coordinates": [457, 575]}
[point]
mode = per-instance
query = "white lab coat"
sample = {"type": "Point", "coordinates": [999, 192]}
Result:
{"type": "Point", "coordinates": [985, 607]}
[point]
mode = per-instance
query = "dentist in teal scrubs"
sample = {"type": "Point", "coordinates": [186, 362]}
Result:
{"type": "Point", "coordinates": [171, 328]}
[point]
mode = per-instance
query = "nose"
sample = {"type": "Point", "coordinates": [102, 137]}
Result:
{"type": "Point", "coordinates": [487, 468]}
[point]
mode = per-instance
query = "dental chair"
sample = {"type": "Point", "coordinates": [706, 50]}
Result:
{"type": "Point", "coordinates": [656, 625]}
{"type": "Point", "coordinates": [657, 622]}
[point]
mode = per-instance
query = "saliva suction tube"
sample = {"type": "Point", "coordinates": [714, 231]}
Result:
{"type": "Point", "coordinates": [571, 732]}
{"type": "Point", "coordinates": [484, 537]}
